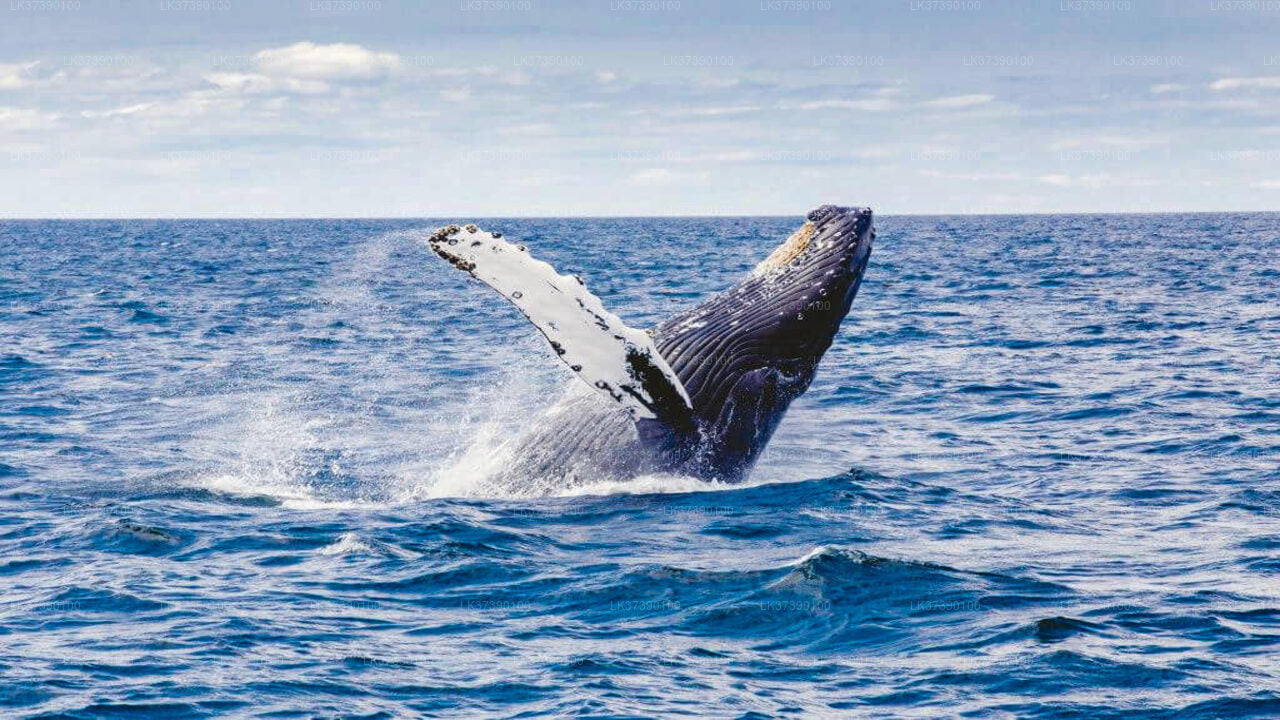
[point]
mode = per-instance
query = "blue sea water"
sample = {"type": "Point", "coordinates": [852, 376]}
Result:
{"type": "Point", "coordinates": [242, 474]}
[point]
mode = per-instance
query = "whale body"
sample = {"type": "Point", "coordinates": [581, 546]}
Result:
{"type": "Point", "coordinates": [702, 393]}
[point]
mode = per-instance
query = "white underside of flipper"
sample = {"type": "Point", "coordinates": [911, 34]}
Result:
{"type": "Point", "coordinates": [617, 361]}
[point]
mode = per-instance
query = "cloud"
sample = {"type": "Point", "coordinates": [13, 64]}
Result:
{"type": "Point", "coordinates": [1121, 142]}
{"type": "Point", "coordinates": [23, 119]}
{"type": "Point", "coordinates": [339, 61]}
{"type": "Point", "coordinates": [606, 77]}
{"type": "Point", "coordinates": [714, 111]}
{"type": "Point", "coordinates": [256, 84]}
{"type": "Point", "coordinates": [1056, 179]}
{"type": "Point", "coordinates": [1163, 88]}
{"type": "Point", "coordinates": [653, 176]}
{"type": "Point", "coordinates": [961, 101]}
{"type": "Point", "coordinates": [1245, 83]}
{"type": "Point", "coordinates": [870, 105]}
{"type": "Point", "coordinates": [972, 177]}
{"type": "Point", "coordinates": [1093, 181]}
{"type": "Point", "coordinates": [15, 76]}
{"type": "Point", "coordinates": [115, 112]}
{"type": "Point", "coordinates": [527, 129]}
{"type": "Point", "coordinates": [456, 95]}
{"type": "Point", "coordinates": [1268, 185]}
{"type": "Point", "coordinates": [240, 82]}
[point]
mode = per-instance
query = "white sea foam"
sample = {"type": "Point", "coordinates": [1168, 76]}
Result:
{"type": "Point", "coordinates": [362, 438]}
{"type": "Point", "coordinates": [291, 495]}
{"type": "Point", "coordinates": [348, 544]}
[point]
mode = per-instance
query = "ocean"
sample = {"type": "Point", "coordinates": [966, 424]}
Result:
{"type": "Point", "coordinates": [242, 473]}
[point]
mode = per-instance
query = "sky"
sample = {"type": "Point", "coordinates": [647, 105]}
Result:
{"type": "Point", "coordinates": [487, 108]}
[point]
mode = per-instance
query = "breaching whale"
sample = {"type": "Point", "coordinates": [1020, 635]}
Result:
{"type": "Point", "coordinates": [703, 392]}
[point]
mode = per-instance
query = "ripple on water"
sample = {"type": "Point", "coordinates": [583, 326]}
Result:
{"type": "Point", "coordinates": [243, 472]}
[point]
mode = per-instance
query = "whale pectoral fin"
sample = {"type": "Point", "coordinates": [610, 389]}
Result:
{"type": "Point", "coordinates": [619, 362]}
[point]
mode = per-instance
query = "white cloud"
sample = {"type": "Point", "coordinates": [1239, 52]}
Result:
{"type": "Point", "coordinates": [1268, 185]}
{"type": "Point", "coordinates": [339, 61]}
{"type": "Point", "coordinates": [1121, 142]}
{"type": "Point", "coordinates": [23, 119]}
{"type": "Point", "coordinates": [961, 101]}
{"type": "Point", "coordinates": [255, 83]}
{"type": "Point", "coordinates": [527, 129]}
{"type": "Point", "coordinates": [127, 110]}
{"type": "Point", "coordinates": [1245, 83]}
{"type": "Point", "coordinates": [870, 105]}
{"type": "Point", "coordinates": [456, 95]}
{"type": "Point", "coordinates": [15, 76]}
{"type": "Point", "coordinates": [714, 111]}
{"type": "Point", "coordinates": [1163, 88]}
{"type": "Point", "coordinates": [653, 176]}
{"type": "Point", "coordinates": [240, 82]}
{"type": "Point", "coordinates": [1094, 181]}
{"type": "Point", "coordinates": [972, 177]}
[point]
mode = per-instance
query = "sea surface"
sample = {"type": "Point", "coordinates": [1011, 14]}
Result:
{"type": "Point", "coordinates": [242, 473]}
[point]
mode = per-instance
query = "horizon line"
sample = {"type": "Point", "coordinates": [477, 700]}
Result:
{"type": "Point", "coordinates": [607, 217]}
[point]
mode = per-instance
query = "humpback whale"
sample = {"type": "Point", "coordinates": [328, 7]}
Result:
{"type": "Point", "coordinates": [702, 393]}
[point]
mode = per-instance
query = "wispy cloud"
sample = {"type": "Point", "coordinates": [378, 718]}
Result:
{"type": "Point", "coordinates": [115, 112]}
{"type": "Point", "coordinates": [25, 119]}
{"type": "Point", "coordinates": [456, 95]}
{"type": "Point", "coordinates": [1094, 181]}
{"type": "Point", "coordinates": [869, 105]}
{"type": "Point", "coordinates": [960, 101]}
{"type": "Point", "coordinates": [1245, 83]}
{"type": "Point", "coordinates": [1114, 142]}
{"type": "Point", "coordinates": [653, 176]}
{"type": "Point", "coordinates": [973, 177]}
{"type": "Point", "coordinates": [714, 111]}
{"type": "Point", "coordinates": [256, 83]}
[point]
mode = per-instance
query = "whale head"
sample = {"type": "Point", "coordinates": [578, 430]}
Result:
{"type": "Point", "coordinates": [744, 355]}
